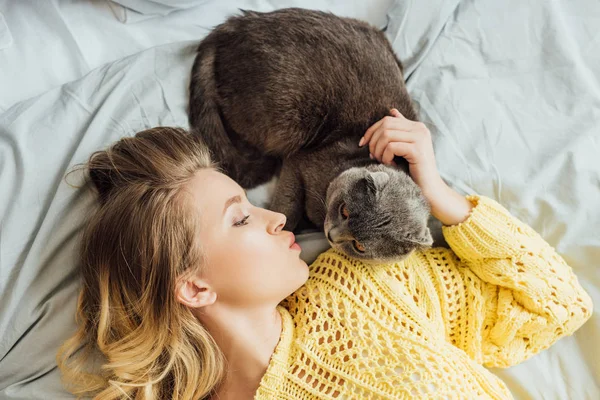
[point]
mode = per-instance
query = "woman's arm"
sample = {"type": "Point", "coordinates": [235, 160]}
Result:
{"type": "Point", "coordinates": [504, 293]}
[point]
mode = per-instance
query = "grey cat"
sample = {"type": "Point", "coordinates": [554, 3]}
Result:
{"type": "Point", "coordinates": [291, 92]}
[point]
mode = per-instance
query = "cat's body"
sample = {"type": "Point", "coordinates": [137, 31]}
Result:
{"type": "Point", "coordinates": [292, 92]}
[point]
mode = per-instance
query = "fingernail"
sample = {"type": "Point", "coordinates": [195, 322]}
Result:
{"type": "Point", "coordinates": [362, 139]}
{"type": "Point", "coordinates": [370, 156]}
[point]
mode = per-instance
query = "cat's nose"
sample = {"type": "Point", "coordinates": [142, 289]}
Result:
{"type": "Point", "coordinates": [334, 235]}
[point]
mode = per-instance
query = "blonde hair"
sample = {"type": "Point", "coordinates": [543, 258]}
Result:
{"type": "Point", "coordinates": [141, 238]}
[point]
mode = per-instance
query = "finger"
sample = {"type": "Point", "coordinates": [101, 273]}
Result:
{"type": "Point", "coordinates": [408, 124]}
{"type": "Point", "coordinates": [369, 133]}
{"type": "Point", "coordinates": [377, 135]}
{"type": "Point", "coordinates": [395, 113]}
{"type": "Point", "coordinates": [390, 122]}
{"type": "Point", "coordinates": [389, 136]}
{"type": "Point", "coordinates": [399, 123]}
{"type": "Point", "coordinates": [385, 120]}
{"type": "Point", "coordinates": [400, 149]}
{"type": "Point", "coordinates": [395, 119]}
{"type": "Point", "coordinates": [380, 146]}
{"type": "Point", "coordinates": [395, 132]}
{"type": "Point", "coordinates": [386, 123]}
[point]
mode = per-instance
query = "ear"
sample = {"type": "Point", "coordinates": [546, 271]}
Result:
{"type": "Point", "coordinates": [195, 292]}
{"type": "Point", "coordinates": [377, 181]}
{"type": "Point", "coordinates": [426, 239]}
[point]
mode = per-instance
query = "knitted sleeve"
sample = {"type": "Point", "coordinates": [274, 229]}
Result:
{"type": "Point", "coordinates": [505, 293]}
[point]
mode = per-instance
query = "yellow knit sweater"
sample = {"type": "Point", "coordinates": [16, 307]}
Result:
{"type": "Point", "coordinates": [423, 327]}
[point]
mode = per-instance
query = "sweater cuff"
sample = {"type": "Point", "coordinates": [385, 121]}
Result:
{"type": "Point", "coordinates": [490, 231]}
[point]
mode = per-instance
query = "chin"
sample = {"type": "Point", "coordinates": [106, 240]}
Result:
{"type": "Point", "coordinates": [303, 273]}
{"type": "Point", "coordinates": [299, 280]}
{"type": "Point", "coordinates": [306, 272]}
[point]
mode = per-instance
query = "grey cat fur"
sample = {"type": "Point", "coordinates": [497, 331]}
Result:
{"type": "Point", "coordinates": [291, 92]}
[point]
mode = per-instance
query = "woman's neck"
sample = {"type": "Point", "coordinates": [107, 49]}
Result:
{"type": "Point", "coordinates": [247, 338]}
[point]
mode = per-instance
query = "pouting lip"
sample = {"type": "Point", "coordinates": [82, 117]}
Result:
{"type": "Point", "coordinates": [292, 239]}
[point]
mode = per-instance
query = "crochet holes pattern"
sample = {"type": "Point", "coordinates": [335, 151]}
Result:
{"type": "Point", "coordinates": [452, 288]}
{"type": "Point", "coordinates": [341, 329]}
{"type": "Point", "coordinates": [408, 329]}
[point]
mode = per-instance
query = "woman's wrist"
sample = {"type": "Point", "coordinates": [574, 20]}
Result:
{"type": "Point", "coordinates": [447, 205]}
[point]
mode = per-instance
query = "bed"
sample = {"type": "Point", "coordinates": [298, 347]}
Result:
{"type": "Point", "coordinates": [510, 91]}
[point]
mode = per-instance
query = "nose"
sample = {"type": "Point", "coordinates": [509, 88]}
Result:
{"type": "Point", "coordinates": [276, 222]}
{"type": "Point", "coordinates": [334, 235]}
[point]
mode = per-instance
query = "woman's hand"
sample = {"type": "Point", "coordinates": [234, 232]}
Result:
{"type": "Point", "coordinates": [398, 136]}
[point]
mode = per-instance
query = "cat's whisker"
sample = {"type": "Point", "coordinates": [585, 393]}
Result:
{"type": "Point", "coordinates": [316, 196]}
{"type": "Point", "coordinates": [420, 243]}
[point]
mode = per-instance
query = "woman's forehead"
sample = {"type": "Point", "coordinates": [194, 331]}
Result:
{"type": "Point", "coordinates": [210, 190]}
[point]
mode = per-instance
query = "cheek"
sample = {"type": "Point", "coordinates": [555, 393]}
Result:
{"type": "Point", "coordinates": [252, 243]}
{"type": "Point", "coordinates": [247, 246]}
{"type": "Point", "coordinates": [253, 267]}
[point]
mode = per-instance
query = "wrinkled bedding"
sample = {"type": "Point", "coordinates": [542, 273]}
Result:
{"type": "Point", "coordinates": [510, 91]}
{"type": "Point", "coordinates": [44, 44]}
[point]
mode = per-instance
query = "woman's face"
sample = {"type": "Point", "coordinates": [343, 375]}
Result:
{"type": "Point", "coordinates": [249, 260]}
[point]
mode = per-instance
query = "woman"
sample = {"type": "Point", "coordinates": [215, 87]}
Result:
{"type": "Point", "coordinates": [189, 291]}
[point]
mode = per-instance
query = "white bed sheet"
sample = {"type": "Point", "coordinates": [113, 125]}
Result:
{"type": "Point", "coordinates": [510, 91]}
{"type": "Point", "coordinates": [57, 41]}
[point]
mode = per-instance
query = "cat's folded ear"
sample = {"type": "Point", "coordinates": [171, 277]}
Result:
{"type": "Point", "coordinates": [426, 240]}
{"type": "Point", "coordinates": [376, 181]}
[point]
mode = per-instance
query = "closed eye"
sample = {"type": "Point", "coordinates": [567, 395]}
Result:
{"type": "Point", "coordinates": [344, 212]}
{"type": "Point", "coordinates": [358, 247]}
{"type": "Point", "coordinates": [242, 222]}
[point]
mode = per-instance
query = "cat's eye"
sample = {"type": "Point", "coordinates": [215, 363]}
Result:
{"type": "Point", "coordinates": [358, 247]}
{"type": "Point", "coordinates": [344, 211]}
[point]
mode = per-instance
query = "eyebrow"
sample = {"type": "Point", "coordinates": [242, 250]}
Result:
{"type": "Point", "coordinates": [233, 200]}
